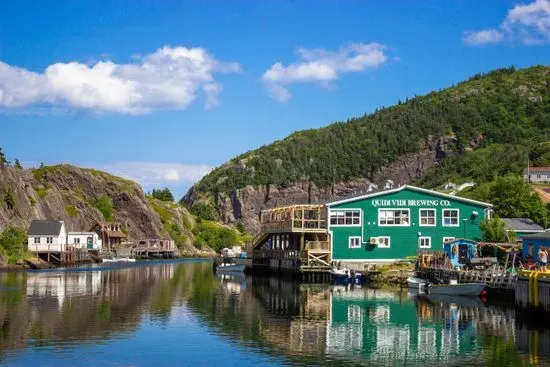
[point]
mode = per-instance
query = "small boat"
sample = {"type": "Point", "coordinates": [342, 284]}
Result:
{"type": "Point", "coordinates": [417, 283]}
{"type": "Point", "coordinates": [118, 260]}
{"type": "Point", "coordinates": [230, 267]}
{"type": "Point", "coordinates": [346, 276]}
{"type": "Point", "coordinates": [455, 289]}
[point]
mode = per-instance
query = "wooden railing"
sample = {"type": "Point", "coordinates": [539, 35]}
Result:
{"type": "Point", "coordinates": [277, 254]}
{"type": "Point", "coordinates": [297, 225]}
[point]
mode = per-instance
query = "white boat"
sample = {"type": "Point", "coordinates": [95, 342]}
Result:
{"type": "Point", "coordinates": [228, 267]}
{"type": "Point", "coordinates": [417, 283]}
{"type": "Point", "coordinates": [118, 260]}
{"type": "Point", "coordinates": [463, 289]}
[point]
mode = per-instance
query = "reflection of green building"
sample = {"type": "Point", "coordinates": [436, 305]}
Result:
{"type": "Point", "coordinates": [392, 329]}
{"type": "Point", "coordinates": [394, 224]}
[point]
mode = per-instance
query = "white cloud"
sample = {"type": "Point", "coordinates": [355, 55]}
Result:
{"type": "Point", "coordinates": [169, 78]}
{"type": "Point", "coordinates": [483, 37]}
{"type": "Point", "coordinates": [322, 67]}
{"type": "Point", "coordinates": [155, 174]}
{"type": "Point", "coordinates": [525, 23]}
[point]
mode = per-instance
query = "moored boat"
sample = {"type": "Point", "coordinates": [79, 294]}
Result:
{"type": "Point", "coordinates": [417, 283]}
{"type": "Point", "coordinates": [229, 267]}
{"type": "Point", "coordinates": [346, 276]}
{"type": "Point", "coordinates": [463, 289]}
{"type": "Point", "coordinates": [118, 260]}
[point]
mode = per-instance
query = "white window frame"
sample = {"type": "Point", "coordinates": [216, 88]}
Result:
{"type": "Point", "coordinates": [37, 240]}
{"type": "Point", "coordinates": [334, 211]}
{"type": "Point", "coordinates": [49, 240]}
{"type": "Point", "coordinates": [353, 239]}
{"type": "Point", "coordinates": [77, 240]}
{"type": "Point", "coordinates": [424, 238]}
{"type": "Point", "coordinates": [382, 244]}
{"type": "Point", "coordinates": [433, 210]}
{"type": "Point", "coordinates": [408, 210]}
{"type": "Point", "coordinates": [457, 217]}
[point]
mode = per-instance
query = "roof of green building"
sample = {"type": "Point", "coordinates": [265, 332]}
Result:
{"type": "Point", "coordinates": [413, 188]}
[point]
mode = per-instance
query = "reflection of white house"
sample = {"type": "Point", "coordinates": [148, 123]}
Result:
{"type": "Point", "coordinates": [84, 240]}
{"type": "Point", "coordinates": [47, 236]}
{"type": "Point", "coordinates": [60, 286]}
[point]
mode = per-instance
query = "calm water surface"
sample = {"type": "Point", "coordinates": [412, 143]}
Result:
{"type": "Point", "coordinates": [181, 313]}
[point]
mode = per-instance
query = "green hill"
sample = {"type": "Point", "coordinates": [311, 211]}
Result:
{"type": "Point", "coordinates": [489, 123]}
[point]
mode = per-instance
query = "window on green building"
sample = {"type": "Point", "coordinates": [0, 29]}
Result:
{"type": "Point", "coordinates": [427, 217]}
{"type": "Point", "coordinates": [384, 242]}
{"type": "Point", "coordinates": [393, 217]}
{"type": "Point", "coordinates": [354, 242]}
{"type": "Point", "coordinates": [425, 242]}
{"type": "Point", "coordinates": [345, 217]}
{"type": "Point", "coordinates": [450, 217]}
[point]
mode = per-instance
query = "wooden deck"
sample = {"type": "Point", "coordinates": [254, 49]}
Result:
{"type": "Point", "coordinates": [295, 218]}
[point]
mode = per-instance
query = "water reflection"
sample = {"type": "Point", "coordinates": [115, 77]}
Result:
{"type": "Point", "coordinates": [260, 320]}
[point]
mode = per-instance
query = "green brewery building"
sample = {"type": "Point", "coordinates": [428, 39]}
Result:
{"type": "Point", "coordinates": [390, 225]}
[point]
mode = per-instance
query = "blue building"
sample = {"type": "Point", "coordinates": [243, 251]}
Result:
{"type": "Point", "coordinates": [532, 243]}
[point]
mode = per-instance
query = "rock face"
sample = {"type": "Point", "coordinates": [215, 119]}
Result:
{"type": "Point", "coordinates": [70, 194]}
{"type": "Point", "coordinates": [244, 205]}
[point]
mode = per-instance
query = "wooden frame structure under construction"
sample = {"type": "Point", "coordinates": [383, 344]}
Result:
{"type": "Point", "coordinates": [293, 237]}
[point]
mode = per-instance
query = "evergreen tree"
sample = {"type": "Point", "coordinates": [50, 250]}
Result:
{"type": "Point", "coordinates": [18, 164]}
{"type": "Point", "coordinates": [162, 195]}
{"type": "Point", "coordinates": [2, 158]}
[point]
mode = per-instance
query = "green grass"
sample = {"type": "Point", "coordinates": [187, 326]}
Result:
{"type": "Point", "coordinates": [72, 211]}
{"type": "Point", "coordinates": [41, 191]}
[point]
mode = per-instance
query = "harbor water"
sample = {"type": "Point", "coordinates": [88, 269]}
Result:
{"type": "Point", "coordinates": [181, 313]}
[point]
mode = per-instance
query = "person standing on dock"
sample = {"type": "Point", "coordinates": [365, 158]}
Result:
{"type": "Point", "coordinates": [543, 259]}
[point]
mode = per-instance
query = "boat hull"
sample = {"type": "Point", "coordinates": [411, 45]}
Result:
{"type": "Point", "coordinates": [416, 283]}
{"type": "Point", "coordinates": [121, 260]}
{"type": "Point", "coordinates": [463, 289]}
{"type": "Point", "coordinates": [233, 268]}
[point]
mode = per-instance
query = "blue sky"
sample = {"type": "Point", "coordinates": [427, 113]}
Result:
{"type": "Point", "coordinates": [163, 91]}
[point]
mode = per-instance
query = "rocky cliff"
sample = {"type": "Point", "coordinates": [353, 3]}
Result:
{"type": "Point", "coordinates": [245, 204]}
{"type": "Point", "coordinates": [81, 197]}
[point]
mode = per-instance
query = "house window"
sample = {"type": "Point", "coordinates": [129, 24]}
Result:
{"type": "Point", "coordinates": [427, 217]}
{"type": "Point", "coordinates": [354, 242]}
{"type": "Point", "coordinates": [77, 240]}
{"type": "Point", "coordinates": [425, 242]}
{"type": "Point", "coordinates": [384, 242]}
{"type": "Point", "coordinates": [49, 239]}
{"type": "Point", "coordinates": [345, 217]}
{"type": "Point", "coordinates": [393, 217]}
{"type": "Point", "coordinates": [450, 217]}
{"type": "Point", "coordinates": [37, 240]}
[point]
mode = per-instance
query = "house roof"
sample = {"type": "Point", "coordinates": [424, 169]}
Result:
{"type": "Point", "coordinates": [541, 236]}
{"type": "Point", "coordinates": [45, 228]}
{"type": "Point", "coordinates": [522, 225]}
{"type": "Point", "coordinates": [537, 169]}
{"type": "Point", "coordinates": [116, 234]}
{"type": "Point", "coordinates": [414, 188]}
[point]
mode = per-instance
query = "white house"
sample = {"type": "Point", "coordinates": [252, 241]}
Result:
{"type": "Point", "coordinates": [47, 236]}
{"type": "Point", "coordinates": [536, 174]}
{"type": "Point", "coordinates": [84, 240]}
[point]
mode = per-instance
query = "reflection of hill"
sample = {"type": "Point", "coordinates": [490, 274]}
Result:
{"type": "Point", "coordinates": [46, 308]}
